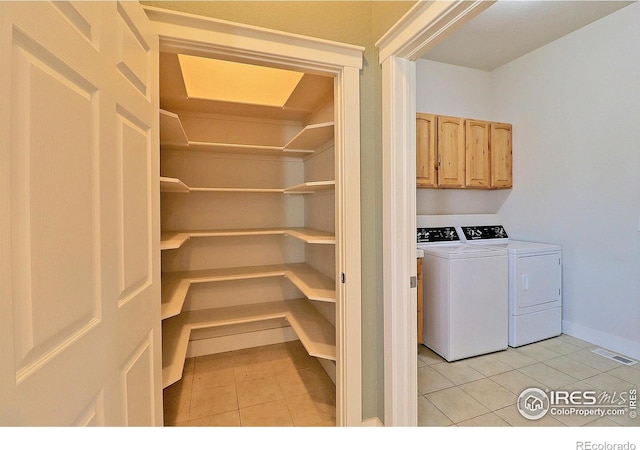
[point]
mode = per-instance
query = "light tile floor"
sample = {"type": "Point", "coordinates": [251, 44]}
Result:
{"type": "Point", "coordinates": [275, 385]}
{"type": "Point", "coordinates": [483, 391]}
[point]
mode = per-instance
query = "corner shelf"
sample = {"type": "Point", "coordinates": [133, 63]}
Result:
{"type": "Point", "coordinates": [172, 185]}
{"type": "Point", "coordinates": [311, 187]}
{"type": "Point", "coordinates": [311, 137]}
{"type": "Point", "coordinates": [171, 131]}
{"type": "Point", "coordinates": [175, 239]}
{"type": "Point", "coordinates": [316, 333]}
{"type": "Point", "coordinates": [313, 284]}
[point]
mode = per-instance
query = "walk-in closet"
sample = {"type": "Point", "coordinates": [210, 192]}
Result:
{"type": "Point", "coordinates": [247, 210]}
{"type": "Point", "coordinates": [260, 200]}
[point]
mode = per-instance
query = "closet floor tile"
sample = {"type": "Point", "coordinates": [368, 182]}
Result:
{"type": "Point", "coordinates": [258, 391]}
{"type": "Point", "coordinates": [274, 385]}
{"type": "Point", "coordinates": [270, 414]}
{"type": "Point", "coordinates": [227, 419]}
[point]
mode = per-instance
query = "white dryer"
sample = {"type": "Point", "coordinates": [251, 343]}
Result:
{"type": "Point", "coordinates": [535, 283]}
{"type": "Point", "coordinates": [465, 309]}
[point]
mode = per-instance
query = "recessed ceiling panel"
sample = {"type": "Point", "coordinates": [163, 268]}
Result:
{"type": "Point", "coordinates": [228, 81]}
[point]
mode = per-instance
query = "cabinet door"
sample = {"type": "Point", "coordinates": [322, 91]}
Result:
{"type": "Point", "coordinates": [426, 162]}
{"type": "Point", "coordinates": [501, 149]}
{"type": "Point", "coordinates": [451, 159]}
{"type": "Point", "coordinates": [477, 154]}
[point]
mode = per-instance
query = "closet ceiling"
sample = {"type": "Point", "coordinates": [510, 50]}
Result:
{"type": "Point", "coordinates": [310, 93]}
{"type": "Point", "coordinates": [509, 29]}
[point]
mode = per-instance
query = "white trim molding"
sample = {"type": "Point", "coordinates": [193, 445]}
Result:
{"type": "Point", "coordinates": [419, 30]}
{"type": "Point", "coordinates": [399, 238]}
{"type": "Point", "coordinates": [202, 36]}
{"type": "Point", "coordinates": [426, 24]}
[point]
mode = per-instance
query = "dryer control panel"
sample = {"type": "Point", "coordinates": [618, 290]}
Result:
{"type": "Point", "coordinates": [484, 232]}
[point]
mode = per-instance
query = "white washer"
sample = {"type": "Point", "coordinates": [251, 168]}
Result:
{"type": "Point", "coordinates": [535, 283]}
{"type": "Point", "coordinates": [465, 309]}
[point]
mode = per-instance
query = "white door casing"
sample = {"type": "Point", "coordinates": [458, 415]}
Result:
{"type": "Point", "coordinates": [79, 215]}
{"type": "Point", "coordinates": [421, 28]}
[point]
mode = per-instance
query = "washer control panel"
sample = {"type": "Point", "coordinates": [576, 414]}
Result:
{"type": "Point", "coordinates": [438, 234]}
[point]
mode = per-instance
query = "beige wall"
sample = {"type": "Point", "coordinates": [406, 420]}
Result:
{"type": "Point", "coordinates": [353, 22]}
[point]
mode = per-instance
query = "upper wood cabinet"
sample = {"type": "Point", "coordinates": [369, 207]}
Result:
{"type": "Point", "coordinates": [501, 155]}
{"type": "Point", "coordinates": [426, 161]}
{"type": "Point", "coordinates": [477, 154]}
{"type": "Point", "coordinates": [453, 152]}
{"type": "Point", "coordinates": [450, 144]}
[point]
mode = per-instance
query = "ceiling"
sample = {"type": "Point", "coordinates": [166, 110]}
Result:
{"type": "Point", "coordinates": [509, 29]}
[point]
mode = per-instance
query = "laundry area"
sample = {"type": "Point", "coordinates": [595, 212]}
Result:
{"type": "Point", "coordinates": [510, 244]}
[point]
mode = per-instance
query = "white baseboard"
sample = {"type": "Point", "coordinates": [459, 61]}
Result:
{"type": "Point", "coordinates": [372, 422]}
{"type": "Point", "coordinates": [233, 342]}
{"type": "Point", "coordinates": [607, 341]}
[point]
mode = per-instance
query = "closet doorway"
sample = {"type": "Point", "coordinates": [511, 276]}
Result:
{"type": "Point", "coordinates": [257, 246]}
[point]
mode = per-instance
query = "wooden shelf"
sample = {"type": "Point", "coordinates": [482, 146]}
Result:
{"type": "Point", "coordinates": [172, 185]}
{"type": "Point", "coordinates": [311, 236]}
{"type": "Point", "coordinates": [168, 184]}
{"type": "Point", "coordinates": [270, 150]}
{"type": "Point", "coordinates": [306, 142]}
{"type": "Point", "coordinates": [175, 239]}
{"type": "Point", "coordinates": [314, 331]}
{"type": "Point", "coordinates": [311, 187]}
{"type": "Point", "coordinates": [313, 284]}
{"type": "Point", "coordinates": [245, 190]}
{"type": "Point", "coordinates": [311, 137]}
{"type": "Point", "coordinates": [171, 131]}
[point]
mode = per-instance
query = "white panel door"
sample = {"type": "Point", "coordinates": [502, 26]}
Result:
{"type": "Point", "coordinates": [79, 215]}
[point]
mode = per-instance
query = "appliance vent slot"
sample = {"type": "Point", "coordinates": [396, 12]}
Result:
{"type": "Point", "coordinates": [614, 356]}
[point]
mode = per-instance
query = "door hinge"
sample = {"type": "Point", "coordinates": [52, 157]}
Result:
{"type": "Point", "coordinates": [343, 278]}
{"type": "Point", "coordinates": [413, 282]}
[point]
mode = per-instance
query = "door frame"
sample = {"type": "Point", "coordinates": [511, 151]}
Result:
{"type": "Point", "coordinates": [207, 37]}
{"type": "Point", "coordinates": [420, 29]}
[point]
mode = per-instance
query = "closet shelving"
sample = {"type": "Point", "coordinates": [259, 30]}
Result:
{"type": "Point", "coordinates": [172, 240]}
{"type": "Point", "coordinates": [311, 283]}
{"type": "Point", "coordinates": [168, 184]}
{"type": "Point", "coordinates": [306, 142]}
{"type": "Point", "coordinates": [315, 331]}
